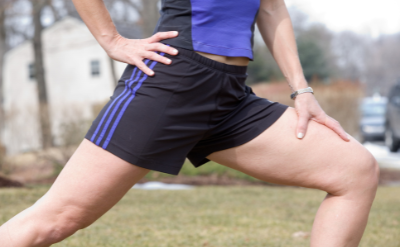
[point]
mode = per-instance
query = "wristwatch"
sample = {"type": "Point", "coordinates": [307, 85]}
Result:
{"type": "Point", "coordinates": [301, 91]}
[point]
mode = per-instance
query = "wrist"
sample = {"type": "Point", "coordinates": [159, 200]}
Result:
{"type": "Point", "coordinates": [304, 96]}
{"type": "Point", "coordinates": [301, 92]}
{"type": "Point", "coordinates": [298, 83]}
{"type": "Point", "coordinates": [108, 40]}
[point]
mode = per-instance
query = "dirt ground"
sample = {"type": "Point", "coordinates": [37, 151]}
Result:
{"type": "Point", "coordinates": [42, 168]}
{"type": "Point", "coordinates": [388, 177]}
{"type": "Point", "coordinates": [7, 182]}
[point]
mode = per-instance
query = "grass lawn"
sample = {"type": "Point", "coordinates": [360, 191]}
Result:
{"type": "Point", "coordinates": [214, 216]}
{"type": "Point", "coordinates": [210, 168]}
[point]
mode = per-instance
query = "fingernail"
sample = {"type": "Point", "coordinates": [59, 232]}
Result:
{"type": "Point", "coordinates": [300, 135]}
{"type": "Point", "coordinates": [151, 73]}
{"type": "Point", "coordinates": [348, 136]}
{"type": "Point", "coordinates": [175, 51]}
{"type": "Point", "coordinates": [175, 32]}
{"type": "Point", "coordinates": [168, 61]}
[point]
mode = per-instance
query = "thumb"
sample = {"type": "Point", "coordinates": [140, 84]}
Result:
{"type": "Point", "coordinates": [302, 125]}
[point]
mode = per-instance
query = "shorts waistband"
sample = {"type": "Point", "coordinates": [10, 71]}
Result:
{"type": "Point", "coordinates": [211, 63]}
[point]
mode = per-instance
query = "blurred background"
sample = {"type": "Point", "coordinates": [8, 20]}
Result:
{"type": "Point", "coordinates": [55, 78]}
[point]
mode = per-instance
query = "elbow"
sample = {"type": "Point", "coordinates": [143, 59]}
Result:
{"type": "Point", "coordinates": [271, 7]}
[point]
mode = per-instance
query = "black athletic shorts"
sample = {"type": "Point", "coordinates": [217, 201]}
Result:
{"type": "Point", "coordinates": [191, 108]}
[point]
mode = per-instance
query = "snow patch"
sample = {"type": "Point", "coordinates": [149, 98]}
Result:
{"type": "Point", "coordinates": [156, 185]}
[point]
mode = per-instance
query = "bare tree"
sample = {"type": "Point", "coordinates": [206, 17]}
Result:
{"type": "Point", "coordinates": [44, 114]}
{"type": "Point", "coordinates": [382, 64]}
{"type": "Point", "coordinates": [2, 53]}
{"type": "Point", "coordinates": [148, 13]}
{"type": "Point", "coordinates": [5, 5]}
{"type": "Point", "coordinates": [350, 50]}
{"type": "Point", "coordinates": [143, 12]}
{"type": "Point", "coordinates": [300, 20]}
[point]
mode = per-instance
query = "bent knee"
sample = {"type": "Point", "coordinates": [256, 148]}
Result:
{"type": "Point", "coordinates": [360, 176]}
{"type": "Point", "coordinates": [367, 171]}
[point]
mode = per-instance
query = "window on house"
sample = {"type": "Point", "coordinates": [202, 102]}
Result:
{"type": "Point", "coordinates": [31, 71]}
{"type": "Point", "coordinates": [95, 67]}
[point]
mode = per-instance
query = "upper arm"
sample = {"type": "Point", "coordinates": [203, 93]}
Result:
{"type": "Point", "coordinates": [269, 8]}
{"type": "Point", "coordinates": [275, 26]}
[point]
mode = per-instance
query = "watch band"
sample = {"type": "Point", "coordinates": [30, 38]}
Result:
{"type": "Point", "coordinates": [301, 91]}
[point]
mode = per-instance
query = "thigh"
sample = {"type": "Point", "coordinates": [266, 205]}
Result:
{"type": "Point", "coordinates": [320, 160]}
{"type": "Point", "coordinates": [91, 183]}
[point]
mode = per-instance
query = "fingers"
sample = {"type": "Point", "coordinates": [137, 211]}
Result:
{"type": "Point", "coordinates": [151, 44]}
{"type": "Point", "coordinates": [162, 48]}
{"type": "Point", "coordinates": [331, 123]}
{"type": "Point", "coordinates": [161, 36]}
{"type": "Point", "coordinates": [335, 126]}
{"type": "Point", "coordinates": [143, 67]}
{"type": "Point", "coordinates": [156, 57]}
{"type": "Point", "coordinates": [308, 108]}
{"type": "Point", "coordinates": [302, 125]}
{"type": "Point", "coordinates": [151, 56]}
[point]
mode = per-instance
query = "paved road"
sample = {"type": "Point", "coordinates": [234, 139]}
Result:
{"type": "Point", "coordinates": [385, 158]}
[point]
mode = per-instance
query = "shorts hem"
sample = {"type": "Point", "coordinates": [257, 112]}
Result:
{"type": "Point", "coordinates": [140, 162]}
{"type": "Point", "coordinates": [243, 138]}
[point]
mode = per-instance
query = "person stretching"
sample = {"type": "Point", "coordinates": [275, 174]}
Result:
{"type": "Point", "coordinates": [183, 94]}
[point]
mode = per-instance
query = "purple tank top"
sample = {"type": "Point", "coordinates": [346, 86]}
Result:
{"type": "Point", "coordinates": [221, 27]}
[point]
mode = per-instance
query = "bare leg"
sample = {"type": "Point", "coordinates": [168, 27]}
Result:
{"type": "Point", "coordinates": [92, 182]}
{"type": "Point", "coordinates": [346, 170]}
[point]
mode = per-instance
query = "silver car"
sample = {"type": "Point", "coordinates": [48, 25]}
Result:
{"type": "Point", "coordinates": [392, 132]}
{"type": "Point", "coordinates": [372, 123]}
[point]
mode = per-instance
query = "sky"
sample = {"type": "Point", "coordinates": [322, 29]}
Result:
{"type": "Point", "coordinates": [370, 17]}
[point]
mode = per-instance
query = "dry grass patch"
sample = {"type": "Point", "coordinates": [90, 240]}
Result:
{"type": "Point", "coordinates": [215, 216]}
{"type": "Point", "coordinates": [340, 99]}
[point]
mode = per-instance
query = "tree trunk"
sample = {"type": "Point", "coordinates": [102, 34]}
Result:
{"type": "Point", "coordinates": [149, 15]}
{"type": "Point", "coordinates": [3, 49]}
{"type": "Point", "coordinates": [113, 73]}
{"type": "Point", "coordinates": [44, 115]}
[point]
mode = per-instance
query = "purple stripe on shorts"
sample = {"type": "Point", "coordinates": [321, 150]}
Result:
{"type": "Point", "coordinates": [125, 94]}
{"type": "Point", "coordinates": [112, 104]}
{"type": "Point", "coordinates": [133, 92]}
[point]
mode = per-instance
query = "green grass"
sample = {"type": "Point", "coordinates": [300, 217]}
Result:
{"type": "Point", "coordinates": [210, 168]}
{"type": "Point", "coordinates": [214, 216]}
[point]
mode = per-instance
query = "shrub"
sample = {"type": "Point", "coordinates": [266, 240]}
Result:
{"type": "Point", "coordinates": [340, 99]}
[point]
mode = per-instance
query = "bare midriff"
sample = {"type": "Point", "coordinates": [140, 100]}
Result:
{"type": "Point", "coordinates": [238, 61]}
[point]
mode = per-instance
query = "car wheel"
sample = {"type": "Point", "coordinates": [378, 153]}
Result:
{"type": "Point", "coordinates": [391, 141]}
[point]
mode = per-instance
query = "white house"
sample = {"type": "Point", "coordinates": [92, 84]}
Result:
{"type": "Point", "coordinates": [78, 75]}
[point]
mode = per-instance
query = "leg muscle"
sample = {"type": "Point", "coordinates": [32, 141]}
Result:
{"type": "Point", "coordinates": [91, 183]}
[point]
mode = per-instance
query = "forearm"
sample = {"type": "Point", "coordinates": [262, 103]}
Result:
{"type": "Point", "coordinates": [97, 18]}
{"type": "Point", "coordinates": [131, 51]}
{"type": "Point", "coordinates": [277, 31]}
